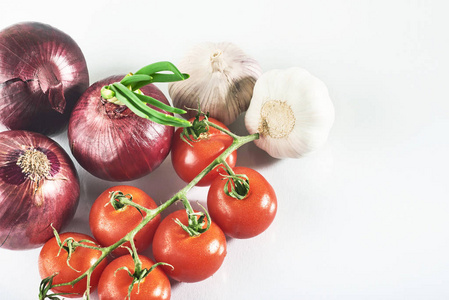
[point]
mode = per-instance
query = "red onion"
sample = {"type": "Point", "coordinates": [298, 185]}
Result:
{"type": "Point", "coordinates": [39, 187]}
{"type": "Point", "coordinates": [42, 74]}
{"type": "Point", "coordinates": [112, 142]}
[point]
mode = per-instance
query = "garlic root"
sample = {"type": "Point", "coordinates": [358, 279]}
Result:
{"type": "Point", "coordinates": [292, 111]}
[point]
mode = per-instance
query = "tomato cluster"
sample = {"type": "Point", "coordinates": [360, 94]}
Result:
{"type": "Point", "coordinates": [238, 218]}
{"type": "Point", "coordinates": [188, 245]}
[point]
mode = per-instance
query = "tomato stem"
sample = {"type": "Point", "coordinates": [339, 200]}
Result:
{"type": "Point", "coordinates": [137, 261]}
{"type": "Point", "coordinates": [228, 132]}
{"type": "Point", "coordinates": [227, 167]}
{"type": "Point", "coordinates": [237, 185]}
{"type": "Point", "coordinates": [115, 198]}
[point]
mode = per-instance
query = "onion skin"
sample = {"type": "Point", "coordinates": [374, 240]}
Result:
{"type": "Point", "coordinates": [28, 209]}
{"type": "Point", "coordinates": [113, 143]}
{"type": "Point", "coordinates": [42, 74]}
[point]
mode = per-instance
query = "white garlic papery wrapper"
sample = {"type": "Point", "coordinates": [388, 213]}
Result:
{"type": "Point", "coordinates": [292, 111]}
{"type": "Point", "coordinates": [222, 79]}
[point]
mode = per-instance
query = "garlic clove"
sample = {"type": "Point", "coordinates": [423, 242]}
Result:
{"type": "Point", "coordinates": [222, 78]}
{"type": "Point", "coordinates": [292, 111]}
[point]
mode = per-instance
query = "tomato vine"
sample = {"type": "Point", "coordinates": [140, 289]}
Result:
{"type": "Point", "coordinates": [148, 214]}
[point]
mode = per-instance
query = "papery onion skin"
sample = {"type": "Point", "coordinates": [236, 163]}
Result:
{"type": "Point", "coordinates": [42, 74]}
{"type": "Point", "coordinates": [28, 209]}
{"type": "Point", "coordinates": [113, 143]}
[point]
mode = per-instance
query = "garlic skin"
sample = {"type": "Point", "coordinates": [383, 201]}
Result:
{"type": "Point", "coordinates": [222, 79]}
{"type": "Point", "coordinates": [292, 111]}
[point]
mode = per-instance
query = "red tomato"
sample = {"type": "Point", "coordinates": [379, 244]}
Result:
{"type": "Point", "coordinates": [244, 218]}
{"type": "Point", "coordinates": [188, 161]}
{"type": "Point", "coordinates": [193, 258]}
{"type": "Point", "coordinates": [109, 225]}
{"type": "Point", "coordinates": [114, 283]}
{"type": "Point", "coordinates": [50, 263]}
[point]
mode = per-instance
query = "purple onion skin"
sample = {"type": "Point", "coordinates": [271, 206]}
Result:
{"type": "Point", "coordinates": [26, 209]}
{"type": "Point", "coordinates": [113, 143]}
{"type": "Point", "coordinates": [42, 74]}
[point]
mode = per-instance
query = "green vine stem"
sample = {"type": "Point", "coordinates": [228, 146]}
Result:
{"type": "Point", "coordinates": [149, 214]}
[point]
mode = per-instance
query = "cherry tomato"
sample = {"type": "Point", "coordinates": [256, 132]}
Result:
{"type": "Point", "coordinates": [53, 261]}
{"type": "Point", "coordinates": [109, 225]}
{"type": "Point", "coordinates": [114, 282]}
{"type": "Point", "coordinates": [189, 160]}
{"type": "Point", "coordinates": [244, 218]}
{"type": "Point", "coordinates": [193, 258]}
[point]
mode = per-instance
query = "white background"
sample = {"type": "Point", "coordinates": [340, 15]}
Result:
{"type": "Point", "coordinates": [365, 217]}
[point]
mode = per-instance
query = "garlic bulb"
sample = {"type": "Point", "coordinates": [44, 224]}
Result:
{"type": "Point", "coordinates": [292, 111]}
{"type": "Point", "coordinates": [222, 79]}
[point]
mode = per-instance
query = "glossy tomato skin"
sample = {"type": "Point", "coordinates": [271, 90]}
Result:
{"type": "Point", "coordinates": [109, 225]}
{"type": "Point", "coordinates": [193, 258]}
{"type": "Point", "coordinates": [82, 259]}
{"type": "Point", "coordinates": [114, 284]}
{"type": "Point", "coordinates": [188, 161]}
{"type": "Point", "coordinates": [244, 218]}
